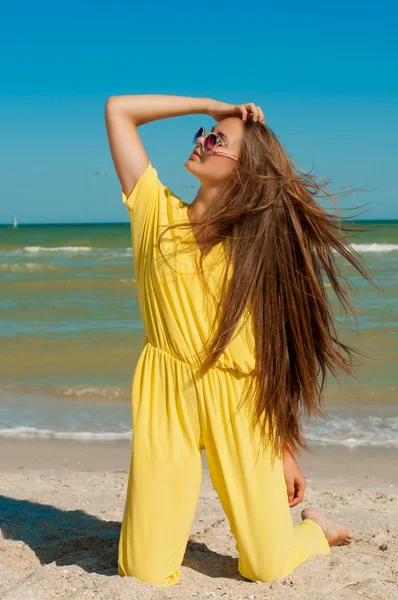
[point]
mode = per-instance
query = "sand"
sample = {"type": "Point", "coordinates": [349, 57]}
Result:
{"type": "Point", "coordinates": [61, 505]}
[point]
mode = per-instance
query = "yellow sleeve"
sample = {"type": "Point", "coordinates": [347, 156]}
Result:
{"type": "Point", "coordinates": [145, 203]}
{"type": "Point", "coordinates": [152, 206]}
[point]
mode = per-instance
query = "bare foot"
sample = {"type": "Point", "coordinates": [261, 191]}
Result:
{"type": "Point", "coordinates": [336, 534]}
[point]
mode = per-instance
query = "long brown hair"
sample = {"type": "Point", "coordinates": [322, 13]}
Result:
{"type": "Point", "coordinates": [280, 243]}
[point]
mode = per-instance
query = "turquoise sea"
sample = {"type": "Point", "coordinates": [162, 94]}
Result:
{"type": "Point", "coordinates": [71, 333]}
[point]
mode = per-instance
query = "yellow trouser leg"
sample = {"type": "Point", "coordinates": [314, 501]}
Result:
{"type": "Point", "coordinates": [252, 492]}
{"type": "Point", "coordinates": [165, 475]}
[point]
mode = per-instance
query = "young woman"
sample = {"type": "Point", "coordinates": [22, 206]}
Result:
{"type": "Point", "coordinates": [238, 327]}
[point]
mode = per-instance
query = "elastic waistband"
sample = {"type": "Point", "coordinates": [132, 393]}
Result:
{"type": "Point", "coordinates": [194, 367]}
{"type": "Point", "coordinates": [147, 341]}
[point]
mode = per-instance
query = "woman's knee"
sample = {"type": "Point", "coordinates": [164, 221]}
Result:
{"type": "Point", "coordinates": [265, 571]}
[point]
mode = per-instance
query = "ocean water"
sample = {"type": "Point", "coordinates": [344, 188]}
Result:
{"type": "Point", "coordinates": [71, 333]}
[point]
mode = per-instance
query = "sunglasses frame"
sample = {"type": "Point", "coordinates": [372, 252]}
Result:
{"type": "Point", "coordinates": [219, 142]}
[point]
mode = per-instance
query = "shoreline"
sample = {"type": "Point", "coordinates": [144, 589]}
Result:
{"type": "Point", "coordinates": [359, 465]}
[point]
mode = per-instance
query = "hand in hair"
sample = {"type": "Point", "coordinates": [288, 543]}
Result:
{"type": "Point", "coordinates": [248, 110]}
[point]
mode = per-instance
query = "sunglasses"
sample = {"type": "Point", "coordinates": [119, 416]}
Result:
{"type": "Point", "coordinates": [210, 141]}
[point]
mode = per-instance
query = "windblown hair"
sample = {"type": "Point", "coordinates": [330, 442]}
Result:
{"type": "Point", "coordinates": [281, 244]}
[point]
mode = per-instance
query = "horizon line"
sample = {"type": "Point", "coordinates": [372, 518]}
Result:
{"type": "Point", "coordinates": [128, 222]}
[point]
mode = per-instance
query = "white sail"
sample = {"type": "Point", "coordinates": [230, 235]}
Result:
{"type": "Point", "coordinates": [14, 221]}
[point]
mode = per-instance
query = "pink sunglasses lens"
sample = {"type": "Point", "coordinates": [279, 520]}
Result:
{"type": "Point", "coordinates": [210, 142]}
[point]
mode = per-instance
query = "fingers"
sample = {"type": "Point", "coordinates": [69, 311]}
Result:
{"type": "Point", "coordinates": [290, 489]}
{"type": "Point", "coordinates": [299, 492]}
{"type": "Point", "coordinates": [297, 495]}
{"type": "Point", "coordinates": [243, 111]}
{"type": "Point", "coordinates": [251, 110]}
{"type": "Point", "coordinates": [262, 117]}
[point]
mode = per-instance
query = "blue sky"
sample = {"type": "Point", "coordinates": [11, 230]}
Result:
{"type": "Point", "coordinates": [324, 75]}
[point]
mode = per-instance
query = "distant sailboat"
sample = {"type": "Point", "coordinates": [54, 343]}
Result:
{"type": "Point", "coordinates": [14, 223]}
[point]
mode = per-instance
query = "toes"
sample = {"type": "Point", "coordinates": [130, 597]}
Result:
{"type": "Point", "coordinates": [347, 539]}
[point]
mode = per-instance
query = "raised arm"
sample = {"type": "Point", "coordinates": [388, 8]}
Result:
{"type": "Point", "coordinates": [124, 114]}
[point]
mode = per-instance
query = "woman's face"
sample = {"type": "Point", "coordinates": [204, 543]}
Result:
{"type": "Point", "coordinates": [213, 169]}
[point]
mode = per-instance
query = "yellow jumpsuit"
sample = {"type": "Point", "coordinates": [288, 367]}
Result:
{"type": "Point", "coordinates": [175, 416]}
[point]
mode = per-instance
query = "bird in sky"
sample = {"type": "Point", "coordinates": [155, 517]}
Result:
{"type": "Point", "coordinates": [100, 173]}
{"type": "Point", "coordinates": [188, 187]}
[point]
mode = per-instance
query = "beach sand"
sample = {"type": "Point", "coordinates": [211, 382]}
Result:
{"type": "Point", "coordinates": [62, 502]}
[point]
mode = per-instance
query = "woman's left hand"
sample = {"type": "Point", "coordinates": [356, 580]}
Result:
{"type": "Point", "coordinates": [221, 110]}
{"type": "Point", "coordinates": [295, 482]}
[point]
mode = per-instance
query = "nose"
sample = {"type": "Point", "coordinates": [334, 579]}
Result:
{"type": "Point", "coordinates": [199, 145]}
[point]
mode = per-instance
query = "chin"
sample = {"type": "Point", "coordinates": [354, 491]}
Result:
{"type": "Point", "coordinates": [194, 167]}
{"type": "Point", "coordinates": [188, 166]}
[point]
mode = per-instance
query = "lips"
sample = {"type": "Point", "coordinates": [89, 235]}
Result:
{"type": "Point", "coordinates": [196, 152]}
